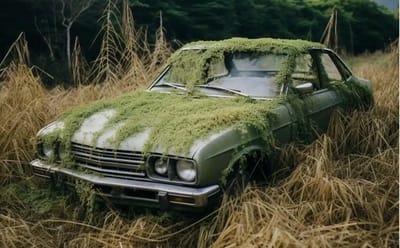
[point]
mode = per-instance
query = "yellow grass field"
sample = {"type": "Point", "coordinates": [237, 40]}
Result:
{"type": "Point", "coordinates": [340, 191]}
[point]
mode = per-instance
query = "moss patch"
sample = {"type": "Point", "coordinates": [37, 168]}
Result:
{"type": "Point", "coordinates": [175, 121]}
{"type": "Point", "coordinates": [191, 64]}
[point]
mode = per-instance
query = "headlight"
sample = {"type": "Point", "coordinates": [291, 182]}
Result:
{"type": "Point", "coordinates": [62, 152]}
{"type": "Point", "coordinates": [48, 150]}
{"type": "Point", "coordinates": [186, 170]}
{"type": "Point", "coordinates": [161, 166]}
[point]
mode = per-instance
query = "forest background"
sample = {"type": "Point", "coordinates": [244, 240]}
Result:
{"type": "Point", "coordinates": [51, 27]}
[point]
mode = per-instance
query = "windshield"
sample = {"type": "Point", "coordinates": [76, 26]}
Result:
{"type": "Point", "coordinates": [247, 73]}
{"type": "Point", "coordinates": [256, 62]}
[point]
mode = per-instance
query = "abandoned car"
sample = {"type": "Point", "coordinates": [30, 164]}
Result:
{"type": "Point", "coordinates": [217, 107]}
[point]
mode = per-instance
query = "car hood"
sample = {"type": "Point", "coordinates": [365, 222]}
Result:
{"type": "Point", "coordinates": [164, 123]}
{"type": "Point", "coordinates": [94, 132]}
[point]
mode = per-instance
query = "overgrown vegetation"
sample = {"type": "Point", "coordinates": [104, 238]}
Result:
{"type": "Point", "coordinates": [342, 190]}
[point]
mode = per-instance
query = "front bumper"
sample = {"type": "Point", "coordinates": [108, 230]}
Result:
{"type": "Point", "coordinates": [136, 192]}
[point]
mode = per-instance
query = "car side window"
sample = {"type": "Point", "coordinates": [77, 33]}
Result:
{"type": "Point", "coordinates": [346, 73]}
{"type": "Point", "coordinates": [305, 71]}
{"type": "Point", "coordinates": [330, 68]}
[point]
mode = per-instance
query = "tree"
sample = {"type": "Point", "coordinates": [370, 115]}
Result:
{"type": "Point", "coordinates": [362, 24]}
{"type": "Point", "coordinates": [47, 27]}
{"type": "Point", "coordinates": [70, 11]}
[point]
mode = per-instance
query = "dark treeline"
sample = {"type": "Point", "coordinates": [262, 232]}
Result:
{"type": "Point", "coordinates": [362, 24]}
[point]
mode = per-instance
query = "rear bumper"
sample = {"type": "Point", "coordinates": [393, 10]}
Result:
{"type": "Point", "coordinates": [135, 192]}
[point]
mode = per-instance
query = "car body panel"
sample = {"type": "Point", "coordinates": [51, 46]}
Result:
{"type": "Point", "coordinates": [320, 105]}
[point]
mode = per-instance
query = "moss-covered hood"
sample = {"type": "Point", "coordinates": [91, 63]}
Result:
{"type": "Point", "coordinates": [159, 122]}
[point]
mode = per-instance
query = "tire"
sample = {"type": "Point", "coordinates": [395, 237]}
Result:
{"type": "Point", "coordinates": [244, 172]}
{"type": "Point", "coordinates": [237, 184]}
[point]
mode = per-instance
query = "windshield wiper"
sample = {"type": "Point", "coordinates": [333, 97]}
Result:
{"type": "Point", "coordinates": [172, 85]}
{"type": "Point", "coordinates": [232, 91]}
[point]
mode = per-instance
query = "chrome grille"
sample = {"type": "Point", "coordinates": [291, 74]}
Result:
{"type": "Point", "coordinates": [109, 162]}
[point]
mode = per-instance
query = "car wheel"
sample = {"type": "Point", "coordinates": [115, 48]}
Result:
{"type": "Point", "coordinates": [243, 173]}
{"type": "Point", "coordinates": [237, 185]}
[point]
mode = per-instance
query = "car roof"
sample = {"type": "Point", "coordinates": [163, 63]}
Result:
{"type": "Point", "coordinates": [270, 45]}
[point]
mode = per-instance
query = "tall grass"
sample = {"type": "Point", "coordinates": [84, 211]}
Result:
{"type": "Point", "coordinates": [342, 191]}
{"type": "Point", "coordinates": [22, 98]}
{"type": "Point", "coordinates": [125, 63]}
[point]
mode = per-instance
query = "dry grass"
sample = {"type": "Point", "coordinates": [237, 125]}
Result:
{"type": "Point", "coordinates": [342, 192]}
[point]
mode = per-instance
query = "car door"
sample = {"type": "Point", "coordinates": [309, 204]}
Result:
{"type": "Point", "coordinates": [319, 104]}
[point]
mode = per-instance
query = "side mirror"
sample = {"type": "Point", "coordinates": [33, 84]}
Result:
{"type": "Point", "coordinates": [305, 88]}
